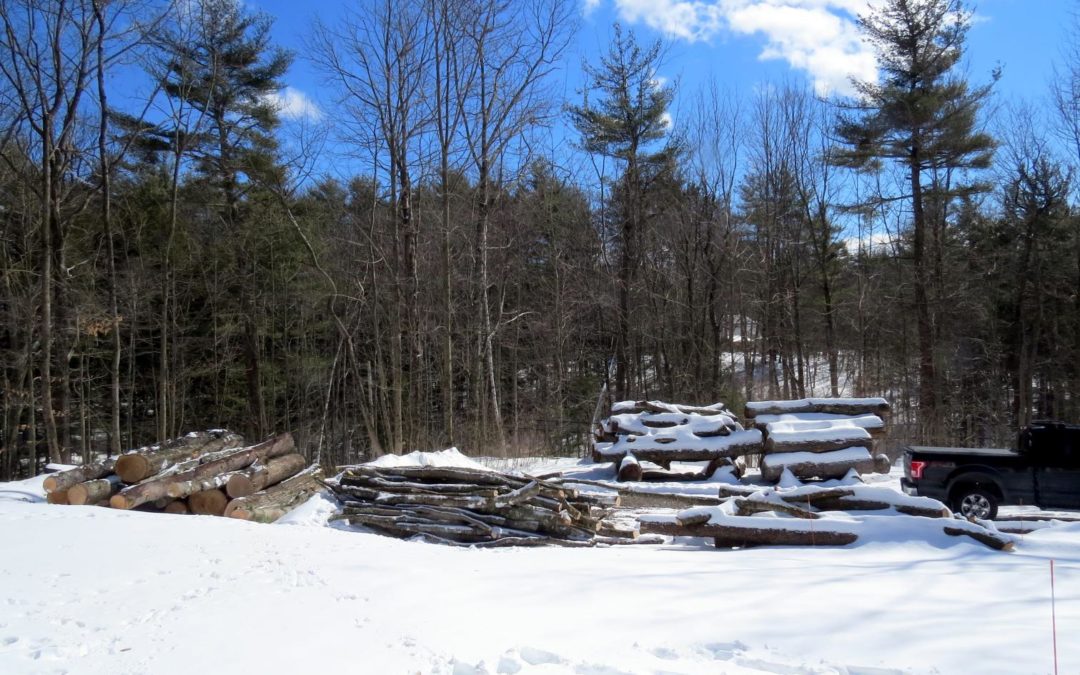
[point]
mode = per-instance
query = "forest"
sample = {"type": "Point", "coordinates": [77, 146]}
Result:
{"type": "Point", "coordinates": [505, 256]}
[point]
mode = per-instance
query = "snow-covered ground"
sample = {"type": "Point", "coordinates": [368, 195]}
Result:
{"type": "Point", "coordinates": [92, 590]}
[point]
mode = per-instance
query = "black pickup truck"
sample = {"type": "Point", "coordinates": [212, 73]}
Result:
{"type": "Point", "coordinates": [1043, 470]}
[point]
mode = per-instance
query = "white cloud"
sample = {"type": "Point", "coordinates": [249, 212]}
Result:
{"type": "Point", "coordinates": [293, 104]}
{"type": "Point", "coordinates": [818, 37]}
{"type": "Point", "coordinates": [587, 6]}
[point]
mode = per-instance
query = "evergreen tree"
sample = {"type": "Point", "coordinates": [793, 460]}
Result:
{"type": "Point", "coordinates": [922, 116]}
{"type": "Point", "coordinates": [626, 124]}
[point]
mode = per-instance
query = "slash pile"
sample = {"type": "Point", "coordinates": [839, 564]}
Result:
{"type": "Point", "coordinates": [472, 507]}
{"type": "Point", "coordinates": [207, 473]}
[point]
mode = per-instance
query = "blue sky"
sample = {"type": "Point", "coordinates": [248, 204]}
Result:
{"type": "Point", "coordinates": [741, 43]}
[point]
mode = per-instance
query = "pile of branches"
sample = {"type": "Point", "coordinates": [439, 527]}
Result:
{"type": "Point", "coordinates": [204, 472]}
{"type": "Point", "coordinates": [472, 507]}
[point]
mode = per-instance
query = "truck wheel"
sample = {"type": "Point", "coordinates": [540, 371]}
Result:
{"type": "Point", "coordinates": [975, 502]}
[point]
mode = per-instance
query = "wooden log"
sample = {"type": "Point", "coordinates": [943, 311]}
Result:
{"type": "Point", "coordinates": [57, 497]}
{"type": "Point", "coordinates": [139, 465]}
{"type": "Point", "coordinates": [688, 518]}
{"type": "Point", "coordinates": [637, 407]}
{"type": "Point", "coordinates": [992, 539]}
{"type": "Point", "coordinates": [629, 469]}
{"type": "Point", "coordinates": [260, 476]}
{"type": "Point", "coordinates": [748, 507]}
{"type": "Point", "coordinates": [94, 491]}
{"type": "Point", "coordinates": [857, 504]}
{"type": "Point", "coordinates": [177, 507]}
{"type": "Point", "coordinates": [208, 476]}
{"type": "Point", "coordinates": [64, 480]}
{"type": "Point", "coordinates": [518, 496]}
{"type": "Point", "coordinates": [657, 500]}
{"type": "Point", "coordinates": [816, 465]}
{"type": "Point", "coordinates": [438, 474]}
{"type": "Point", "coordinates": [644, 448]}
{"type": "Point", "coordinates": [208, 502]}
{"type": "Point", "coordinates": [882, 464]}
{"type": "Point", "coordinates": [836, 406]}
{"type": "Point", "coordinates": [857, 438]}
{"type": "Point", "coordinates": [737, 532]}
{"type": "Point", "coordinates": [270, 504]}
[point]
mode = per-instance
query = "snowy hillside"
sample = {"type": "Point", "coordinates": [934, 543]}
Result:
{"type": "Point", "coordinates": [93, 590]}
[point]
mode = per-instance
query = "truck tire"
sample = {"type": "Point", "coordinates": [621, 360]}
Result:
{"type": "Point", "coordinates": [972, 501]}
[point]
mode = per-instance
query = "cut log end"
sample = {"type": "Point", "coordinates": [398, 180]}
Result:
{"type": "Point", "coordinates": [177, 507]}
{"type": "Point", "coordinates": [133, 468]}
{"type": "Point", "coordinates": [208, 503]}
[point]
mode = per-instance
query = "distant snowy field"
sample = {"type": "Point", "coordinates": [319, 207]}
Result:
{"type": "Point", "coordinates": [93, 590]}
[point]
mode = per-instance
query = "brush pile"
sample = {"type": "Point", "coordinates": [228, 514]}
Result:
{"type": "Point", "coordinates": [472, 507]}
{"type": "Point", "coordinates": [204, 472]}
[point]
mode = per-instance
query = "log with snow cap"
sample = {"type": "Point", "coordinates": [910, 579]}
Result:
{"type": "Point", "coordinates": [841, 406]}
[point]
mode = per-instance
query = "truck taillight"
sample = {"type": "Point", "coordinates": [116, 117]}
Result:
{"type": "Point", "coordinates": [917, 469]}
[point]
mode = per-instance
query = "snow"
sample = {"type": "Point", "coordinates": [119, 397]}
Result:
{"type": "Point", "coordinates": [449, 458]}
{"type": "Point", "coordinates": [92, 591]}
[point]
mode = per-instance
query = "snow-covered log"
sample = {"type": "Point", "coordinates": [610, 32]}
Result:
{"type": "Point", "coordinates": [679, 446]}
{"type": "Point", "coordinates": [814, 437]}
{"type": "Point", "coordinates": [834, 464]}
{"type": "Point", "coordinates": [741, 531]}
{"type": "Point", "coordinates": [629, 469]}
{"type": "Point", "coordinates": [840, 406]}
{"type": "Point", "coordinates": [873, 424]}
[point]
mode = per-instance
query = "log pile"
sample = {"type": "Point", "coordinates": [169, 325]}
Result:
{"type": "Point", "coordinates": [663, 433]}
{"type": "Point", "coordinates": [203, 473]}
{"type": "Point", "coordinates": [820, 437]}
{"type": "Point", "coordinates": [472, 507]}
{"type": "Point", "coordinates": [813, 516]}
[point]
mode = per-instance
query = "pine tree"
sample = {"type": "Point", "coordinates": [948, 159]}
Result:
{"type": "Point", "coordinates": [629, 119]}
{"type": "Point", "coordinates": [922, 116]}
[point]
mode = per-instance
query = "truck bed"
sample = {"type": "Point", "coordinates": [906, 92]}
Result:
{"type": "Point", "coordinates": [974, 452]}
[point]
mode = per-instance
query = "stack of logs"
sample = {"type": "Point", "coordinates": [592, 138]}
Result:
{"type": "Point", "coordinates": [472, 507]}
{"type": "Point", "coordinates": [820, 437]}
{"type": "Point", "coordinates": [661, 433]}
{"type": "Point", "coordinates": [745, 516]}
{"type": "Point", "coordinates": [207, 473]}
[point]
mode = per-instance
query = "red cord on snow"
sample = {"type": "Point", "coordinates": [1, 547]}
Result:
{"type": "Point", "coordinates": [1053, 615]}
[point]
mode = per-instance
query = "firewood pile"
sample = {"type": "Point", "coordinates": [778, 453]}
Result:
{"type": "Point", "coordinates": [204, 472]}
{"type": "Point", "coordinates": [472, 507]}
{"type": "Point", "coordinates": [820, 437]}
{"type": "Point", "coordinates": [663, 433]}
{"type": "Point", "coordinates": [811, 516]}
